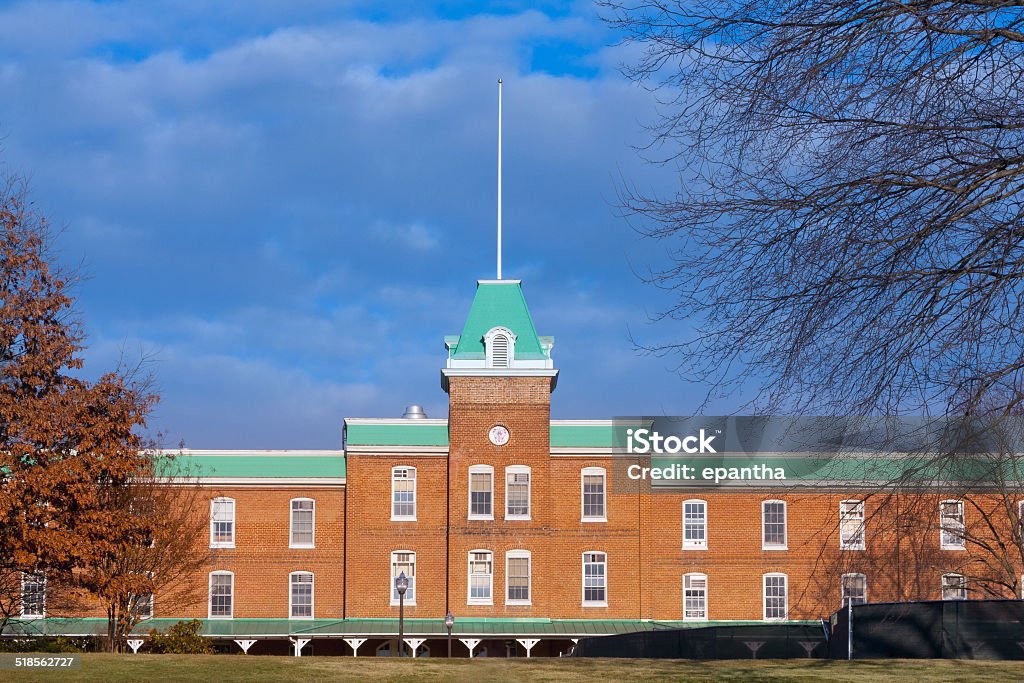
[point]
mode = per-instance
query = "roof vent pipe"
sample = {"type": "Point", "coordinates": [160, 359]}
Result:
{"type": "Point", "coordinates": [414, 412]}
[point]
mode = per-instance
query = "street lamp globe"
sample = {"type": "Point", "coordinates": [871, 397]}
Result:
{"type": "Point", "coordinates": [401, 583]}
{"type": "Point", "coordinates": [449, 621]}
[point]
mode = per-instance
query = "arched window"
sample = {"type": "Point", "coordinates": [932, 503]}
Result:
{"type": "Point", "coordinates": [222, 594]}
{"type": "Point", "coordinates": [695, 525]}
{"type": "Point", "coordinates": [695, 597]}
{"type": "Point", "coordinates": [776, 597]}
{"type": "Point", "coordinates": [222, 523]}
{"type": "Point", "coordinates": [403, 493]}
{"type": "Point", "coordinates": [481, 577]}
{"type": "Point", "coordinates": [302, 522]}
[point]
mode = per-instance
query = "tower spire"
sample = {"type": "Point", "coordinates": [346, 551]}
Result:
{"type": "Point", "coordinates": [499, 178]}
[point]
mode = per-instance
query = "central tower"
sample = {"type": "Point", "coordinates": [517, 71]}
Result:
{"type": "Point", "coordinates": [499, 378]}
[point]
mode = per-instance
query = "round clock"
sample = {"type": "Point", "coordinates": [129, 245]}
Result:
{"type": "Point", "coordinates": [498, 435]}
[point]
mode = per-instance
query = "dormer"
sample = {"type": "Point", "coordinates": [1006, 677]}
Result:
{"type": "Point", "coordinates": [500, 347]}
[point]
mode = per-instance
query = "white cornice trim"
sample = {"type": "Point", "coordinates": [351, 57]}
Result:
{"type": "Point", "coordinates": [398, 450]}
{"type": "Point", "coordinates": [250, 453]}
{"type": "Point", "coordinates": [499, 372]}
{"type": "Point", "coordinates": [584, 423]}
{"type": "Point", "coordinates": [499, 282]}
{"type": "Point", "coordinates": [396, 421]}
{"type": "Point", "coordinates": [267, 482]}
{"type": "Point", "coordinates": [571, 452]}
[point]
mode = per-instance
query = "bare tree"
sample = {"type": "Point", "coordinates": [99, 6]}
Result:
{"type": "Point", "coordinates": [848, 231]}
{"type": "Point", "coordinates": [158, 565]}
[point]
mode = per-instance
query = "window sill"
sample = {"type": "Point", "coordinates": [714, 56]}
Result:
{"type": "Point", "coordinates": [301, 545]}
{"type": "Point", "coordinates": [517, 518]}
{"type": "Point", "coordinates": [852, 547]}
{"type": "Point", "coordinates": [695, 618]}
{"type": "Point", "coordinates": [775, 619]}
{"type": "Point", "coordinates": [595, 604]}
{"type": "Point", "coordinates": [695, 547]}
{"type": "Point", "coordinates": [954, 547]}
{"type": "Point", "coordinates": [593, 519]}
{"type": "Point", "coordinates": [408, 603]}
{"type": "Point", "coordinates": [220, 616]}
{"type": "Point", "coordinates": [489, 603]}
{"type": "Point", "coordinates": [521, 603]}
{"type": "Point", "coordinates": [403, 519]}
{"type": "Point", "coordinates": [300, 618]}
{"type": "Point", "coordinates": [481, 518]}
{"type": "Point", "coordinates": [770, 548]}
{"type": "Point", "coordinates": [217, 546]}
{"type": "Point", "coordinates": [33, 616]}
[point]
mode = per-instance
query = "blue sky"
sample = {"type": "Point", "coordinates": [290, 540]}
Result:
{"type": "Point", "coordinates": [286, 205]}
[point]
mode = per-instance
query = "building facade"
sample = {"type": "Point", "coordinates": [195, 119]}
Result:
{"type": "Point", "coordinates": [523, 529]}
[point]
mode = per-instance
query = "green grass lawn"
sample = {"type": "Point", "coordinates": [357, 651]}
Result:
{"type": "Point", "coordinates": [219, 668]}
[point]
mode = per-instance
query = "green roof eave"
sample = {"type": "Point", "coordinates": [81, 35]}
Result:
{"type": "Point", "coordinates": [498, 304]}
{"type": "Point", "coordinates": [255, 466]}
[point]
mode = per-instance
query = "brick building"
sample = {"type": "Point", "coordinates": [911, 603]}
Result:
{"type": "Point", "coordinates": [519, 526]}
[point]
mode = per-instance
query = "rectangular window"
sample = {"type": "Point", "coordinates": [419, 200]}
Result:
{"type": "Point", "coordinates": [33, 595]}
{"type": "Point", "coordinates": [773, 523]}
{"type": "Point", "coordinates": [954, 587]}
{"type": "Point", "coordinates": [143, 603]}
{"type": "Point", "coordinates": [301, 596]}
{"type": "Point", "coordinates": [593, 494]}
{"type": "Point", "coordinates": [403, 561]}
{"type": "Point", "coordinates": [481, 492]}
{"type": "Point", "coordinates": [222, 594]}
{"type": "Point", "coordinates": [855, 589]}
{"type": "Point", "coordinates": [951, 524]}
{"type": "Point", "coordinates": [222, 523]}
{"type": "Point", "coordinates": [517, 492]}
{"type": "Point", "coordinates": [303, 511]}
{"type": "Point", "coordinates": [403, 493]}
{"type": "Point", "coordinates": [776, 597]}
{"type": "Point", "coordinates": [517, 577]}
{"type": "Point", "coordinates": [695, 597]}
{"type": "Point", "coordinates": [481, 575]}
{"type": "Point", "coordinates": [695, 525]}
{"type": "Point", "coordinates": [851, 525]}
{"type": "Point", "coordinates": [595, 579]}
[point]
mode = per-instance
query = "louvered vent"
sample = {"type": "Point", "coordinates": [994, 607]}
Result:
{"type": "Point", "coordinates": [499, 351]}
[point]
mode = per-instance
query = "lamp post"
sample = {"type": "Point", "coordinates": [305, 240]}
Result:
{"type": "Point", "coordinates": [449, 621]}
{"type": "Point", "coordinates": [401, 585]}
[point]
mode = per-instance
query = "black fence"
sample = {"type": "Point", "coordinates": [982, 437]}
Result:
{"type": "Point", "coordinates": [951, 629]}
{"type": "Point", "coordinates": [756, 641]}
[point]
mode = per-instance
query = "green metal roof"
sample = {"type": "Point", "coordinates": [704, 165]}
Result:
{"type": "Point", "coordinates": [233, 628]}
{"type": "Point", "coordinates": [256, 465]}
{"type": "Point", "coordinates": [498, 304]}
{"type": "Point", "coordinates": [407, 433]}
{"type": "Point", "coordinates": [415, 433]}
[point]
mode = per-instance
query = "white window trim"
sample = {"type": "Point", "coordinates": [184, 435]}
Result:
{"type": "Point", "coordinates": [21, 596]}
{"type": "Point", "coordinates": [520, 469]}
{"type": "Point", "coordinates": [942, 585]}
{"type": "Point", "coordinates": [963, 530]}
{"type": "Point", "coordinates": [842, 585]}
{"type": "Point", "coordinates": [764, 597]}
{"type": "Point", "coordinates": [529, 583]}
{"type": "Point", "coordinates": [291, 524]}
{"type": "Point", "coordinates": [312, 595]}
{"type": "Point", "coordinates": [489, 348]}
{"type": "Point", "coordinates": [695, 545]}
{"type": "Point", "coordinates": [478, 469]}
{"type": "Point", "coordinates": [209, 599]}
{"type": "Point", "coordinates": [862, 545]}
{"type": "Point", "coordinates": [583, 580]}
{"type": "Point", "coordinates": [785, 529]}
{"type": "Point", "coordinates": [706, 598]}
{"type": "Point", "coordinates": [469, 583]}
{"type": "Point", "coordinates": [391, 584]}
{"type": "Point", "coordinates": [234, 522]}
{"type": "Point", "coordinates": [415, 479]}
{"type": "Point", "coordinates": [592, 471]}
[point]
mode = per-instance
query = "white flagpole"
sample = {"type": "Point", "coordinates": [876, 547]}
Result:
{"type": "Point", "coordinates": [499, 178]}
